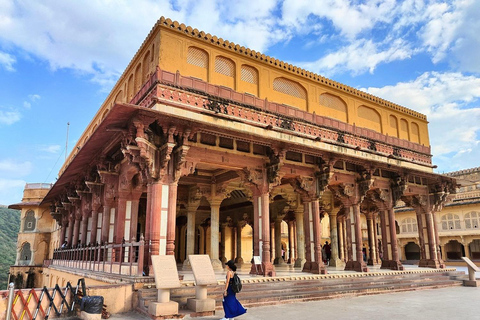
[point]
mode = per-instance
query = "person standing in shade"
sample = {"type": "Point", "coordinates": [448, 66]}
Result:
{"type": "Point", "coordinates": [231, 305]}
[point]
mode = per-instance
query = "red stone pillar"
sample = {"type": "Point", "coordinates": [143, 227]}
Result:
{"type": "Point", "coordinates": [437, 240]}
{"type": "Point", "coordinates": [291, 243]}
{"type": "Point", "coordinates": [385, 240]}
{"type": "Point", "coordinates": [421, 236]}
{"type": "Point", "coordinates": [318, 266]}
{"type": "Point", "coordinates": [239, 258]}
{"type": "Point", "coordinates": [375, 234]}
{"type": "Point", "coordinates": [341, 237]}
{"type": "Point", "coordinates": [360, 264]}
{"type": "Point", "coordinates": [278, 241]}
{"type": "Point", "coordinates": [93, 232]}
{"type": "Point", "coordinates": [308, 225]}
{"type": "Point", "coordinates": [371, 239]}
{"type": "Point", "coordinates": [76, 229]}
{"type": "Point", "coordinates": [349, 235]}
{"type": "Point", "coordinates": [171, 216]}
{"type": "Point", "coordinates": [155, 217]}
{"type": "Point", "coordinates": [71, 220]}
{"type": "Point", "coordinates": [395, 263]}
{"type": "Point", "coordinates": [106, 223]}
{"type": "Point", "coordinates": [265, 218]}
{"type": "Point", "coordinates": [119, 230]}
{"type": "Point", "coordinates": [63, 231]}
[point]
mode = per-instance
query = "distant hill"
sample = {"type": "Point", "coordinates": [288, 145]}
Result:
{"type": "Point", "coordinates": [9, 226]}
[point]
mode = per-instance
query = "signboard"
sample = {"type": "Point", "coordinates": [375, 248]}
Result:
{"type": "Point", "coordinates": [257, 260]}
{"type": "Point", "coordinates": [202, 269]}
{"type": "Point", "coordinates": [165, 271]}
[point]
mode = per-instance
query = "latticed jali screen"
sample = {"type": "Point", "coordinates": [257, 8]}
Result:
{"type": "Point", "coordinates": [332, 102]}
{"type": "Point", "coordinates": [224, 66]}
{"type": "Point", "coordinates": [197, 57]}
{"type": "Point", "coordinates": [249, 74]}
{"type": "Point", "coordinates": [289, 87]}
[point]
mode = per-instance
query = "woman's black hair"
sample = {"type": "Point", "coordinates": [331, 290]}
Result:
{"type": "Point", "coordinates": [231, 265]}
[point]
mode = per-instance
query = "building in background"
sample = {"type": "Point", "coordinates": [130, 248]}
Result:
{"type": "Point", "coordinates": [207, 147]}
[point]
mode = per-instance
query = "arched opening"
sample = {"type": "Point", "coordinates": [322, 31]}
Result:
{"type": "Point", "coordinates": [454, 250]}
{"type": "Point", "coordinates": [412, 251]}
{"type": "Point", "coordinates": [25, 255]}
{"type": "Point", "coordinates": [30, 221]}
{"type": "Point", "coordinates": [474, 248]}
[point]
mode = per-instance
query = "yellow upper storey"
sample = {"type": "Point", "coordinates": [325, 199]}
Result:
{"type": "Point", "coordinates": [174, 47]}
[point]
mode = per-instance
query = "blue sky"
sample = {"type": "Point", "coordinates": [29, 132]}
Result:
{"type": "Point", "coordinates": [59, 59]}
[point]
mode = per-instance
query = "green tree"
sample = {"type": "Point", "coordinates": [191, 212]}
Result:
{"type": "Point", "coordinates": [9, 226]}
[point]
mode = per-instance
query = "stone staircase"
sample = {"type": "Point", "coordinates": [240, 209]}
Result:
{"type": "Point", "coordinates": [267, 291]}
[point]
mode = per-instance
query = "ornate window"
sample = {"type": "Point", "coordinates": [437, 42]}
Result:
{"type": "Point", "coordinates": [409, 225]}
{"type": "Point", "coordinates": [197, 57]}
{"type": "Point", "coordinates": [249, 74]}
{"type": "Point", "coordinates": [332, 102]}
{"type": "Point", "coordinates": [450, 221]}
{"type": "Point", "coordinates": [30, 221]}
{"type": "Point", "coordinates": [289, 87]}
{"type": "Point", "coordinates": [472, 220]}
{"type": "Point", "coordinates": [224, 66]}
{"type": "Point", "coordinates": [25, 254]}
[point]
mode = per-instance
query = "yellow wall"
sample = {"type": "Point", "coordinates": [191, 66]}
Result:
{"type": "Point", "coordinates": [174, 53]}
{"type": "Point", "coordinates": [167, 47]}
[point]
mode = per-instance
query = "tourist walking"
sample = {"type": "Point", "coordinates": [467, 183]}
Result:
{"type": "Point", "coordinates": [231, 305]}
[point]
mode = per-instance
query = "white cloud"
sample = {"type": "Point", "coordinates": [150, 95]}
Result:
{"type": "Point", "coordinates": [11, 191]}
{"type": "Point", "coordinates": [7, 61]}
{"type": "Point", "coordinates": [9, 117]}
{"type": "Point", "coordinates": [451, 103]}
{"type": "Point", "coordinates": [50, 148]}
{"type": "Point", "coordinates": [34, 97]}
{"type": "Point", "coordinates": [359, 57]}
{"type": "Point", "coordinates": [101, 39]}
{"type": "Point", "coordinates": [13, 168]}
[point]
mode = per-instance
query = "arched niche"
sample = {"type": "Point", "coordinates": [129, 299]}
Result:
{"type": "Point", "coordinates": [369, 118]}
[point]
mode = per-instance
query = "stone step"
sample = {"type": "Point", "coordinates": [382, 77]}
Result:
{"type": "Point", "coordinates": [286, 291]}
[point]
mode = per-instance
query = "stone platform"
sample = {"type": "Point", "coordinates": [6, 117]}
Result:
{"type": "Point", "coordinates": [292, 286]}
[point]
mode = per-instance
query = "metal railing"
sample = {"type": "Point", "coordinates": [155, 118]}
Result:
{"type": "Point", "coordinates": [125, 258]}
{"type": "Point", "coordinates": [38, 303]}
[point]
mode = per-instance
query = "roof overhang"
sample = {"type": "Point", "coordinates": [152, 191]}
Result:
{"type": "Point", "coordinates": [117, 118]}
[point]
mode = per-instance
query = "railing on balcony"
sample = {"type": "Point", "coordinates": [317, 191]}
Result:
{"type": "Point", "coordinates": [126, 258]}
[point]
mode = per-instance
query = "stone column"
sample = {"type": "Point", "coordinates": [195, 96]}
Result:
{"type": "Point", "coordinates": [348, 235]}
{"type": "Point", "coordinates": [361, 265]}
{"type": "Point", "coordinates": [341, 237]}
{"type": "Point", "coordinates": [334, 239]}
{"type": "Point", "coordinates": [134, 216]}
{"type": "Point", "coordinates": [155, 198]}
{"type": "Point", "coordinates": [265, 211]}
{"type": "Point", "coordinates": [171, 216]}
{"type": "Point", "coordinates": [437, 240]}
{"type": "Point", "coordinates": [93, 233]}
{"type": "Point", "coordinates": [223, 257]}
{"type": "Point", "coordinates": [239, 258]}
{"type": "Point", "coordinates": [214, 232]}
{"type": "Point", "coordinates": [371, 240]}
{"type": "Point", "coordinates": [291, 242]}
{"type": "Point", "coordinates": [300, 236]}
{"type": "Point", "coordinates": [83, 227]}
{"type": "Point", "coordinates": [308, 225]}
{"type": "Point", "coordinates": [76, 230]}
{"type": "Point", "coordinates": [318, 266]}
{"type": "Point", "coordinates": [105, 223]}
{"type": "Point", "coordinates": [272, 241]}
{"type": "Point", "coordinates": [395, 264]}
{"type": "Point", "coordinates": [191, 212]}
{"type": "Point", "coordinates": [71, 220]}
{"type": "Point", "coordinates": [278, 241]}
{"type": "Point", "coordinates": [234, 244]}
{"type": "Point", "coordinates": [421, 235]}
{"type": "Point", "coordinates": [119, 229]}
{"type": "Point", "coordinates": [375, 234]}
{"type": "Point", "coordinates": [63, 230]}
{"type": "Point", "coordinates": [385, 240]}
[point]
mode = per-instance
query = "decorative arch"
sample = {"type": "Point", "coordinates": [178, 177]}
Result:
{"type": "Point", "coordinates": [25, 254]}
{"type": "Point", "coordinates": [412, 251]}
{"type": "Point", "coordinates": [225, 66]}
{"type": "Point", "coordinates": [30, 221]}
{"type": "Point", "coordinates": [249, 74]}
{"type": "Point", "coordinates": [415, 137]}
{"type": "Point", "coordinates": [370, 117]}
{"type": "Point", "coordinates": [197, 57]}
{"type": "Point", "coordinates": [450, 221]}
{"type": "Point", "coordinates": [393, 125]}
{"type": "Point", "coordinates": [289, 87]}
{"type": "Point", "coordinates": [474, 248]}
{"type": "Point", "coordinates": [337, 106]}
{"type": "Point", "coordinates": [404, 132]}
{"type": "Point", "coordinates": [454, 250]}
{"type": "Point", "coordinates": [130, 85]}
{"type": "Point", "coordinates": [138, 78]}
{"type": "Point", "coordinates": [119, 97]}
{"type": "Point", "coordinates": [145, 64]}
